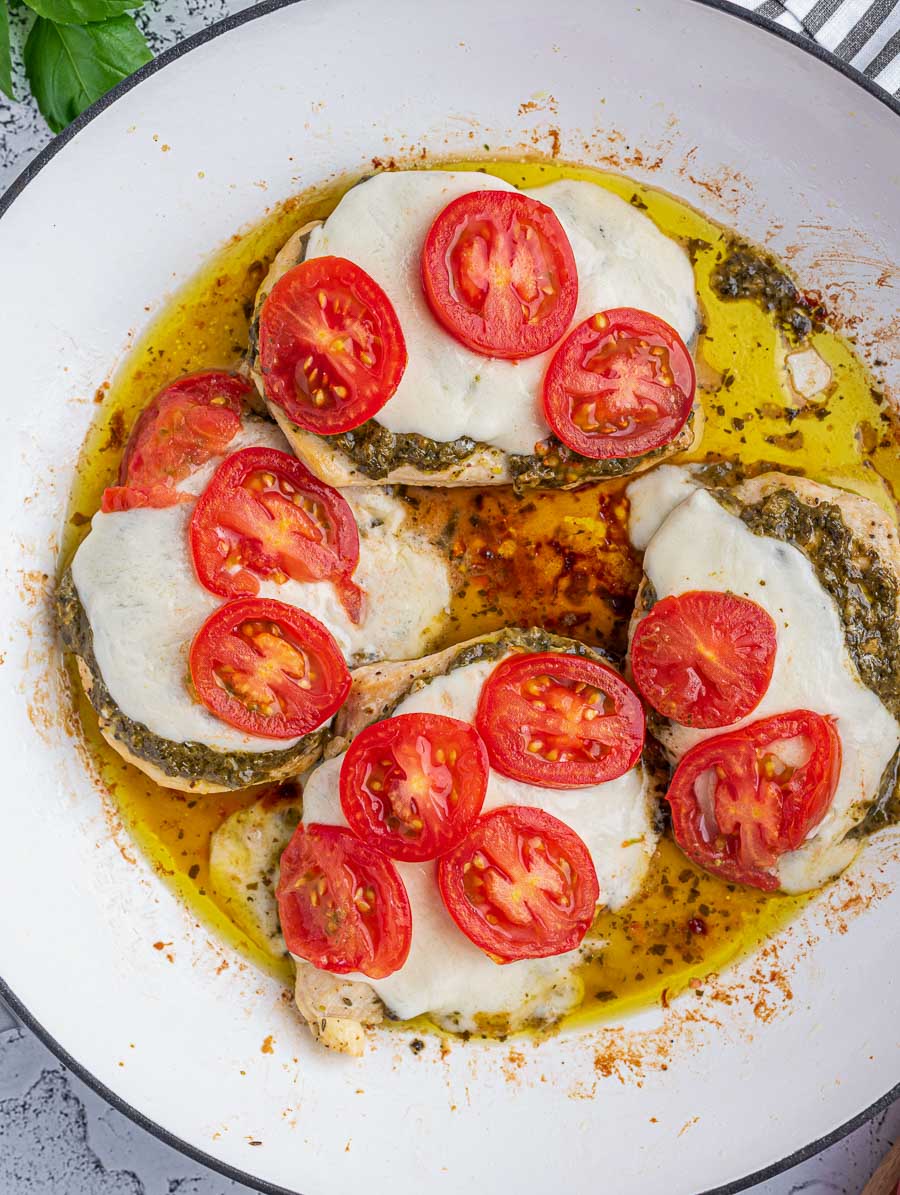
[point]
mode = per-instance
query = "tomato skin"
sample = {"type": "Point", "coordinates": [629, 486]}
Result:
{"type": "Point", "coordinates": [809, 791]}
{"type": "Point", "coordinates": [704, 658]}
{"type": "Point", "coordinates": [437, 777]}
{"type": "Point", "coordinates": [118, 498]}
{"type": "Point", "coordinates": [237, 674]}
{"type": "Point", "coordinates": [343, 906]}
{"type": "Point", "coordinates": [522, 884]}
{"type": "Point", "coordinates": [254, 520]}
{"type": "Point", "coordinates": [331, 348]}
{"type": "Point", "coordinates": [620, 385]}
{"type": "Point", "coordinates": [534, 699]}
{"type": "Point", "coordinates": [185, 425]}
{"type": "Point", "coordinates": [753, 810]}
{"type": "Point", "coordinates": [486, 235]}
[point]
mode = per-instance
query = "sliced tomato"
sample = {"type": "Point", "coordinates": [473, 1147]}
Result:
{"type": "Point", "coordinates": [186, 425]}
{"type": "Point", "coordinates": [704, 658]}
{"type": "Point", "coordinates": [117, 498]}
{"type": "Point", "coordinates": [264, 515]}
{"type": "Point", "coordinates": [499, 273]}
{"type": "Point", "coordinates": [741, 800]}
{"type": "Point", "coordinates": [559, 721]}
{"type": "Point", "coordinates": [412, 785]}
{"type": "Point", "coordinates": [331, 347]}
{"type": "Point", "coordinates": [342, 905]}
{"type": "Point", "coordinates": [268, 669]}
{"type": "Point", "coordinates": [621, 384]}
{"type": "Point", "coordinates": [521, 884]}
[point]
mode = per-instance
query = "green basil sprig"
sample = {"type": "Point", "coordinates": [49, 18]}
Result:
{"type": "Point", "coordinates": [75, 51]}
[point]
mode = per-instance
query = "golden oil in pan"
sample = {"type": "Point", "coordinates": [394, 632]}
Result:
{"type": "Point", "coordinates": [556, 559]}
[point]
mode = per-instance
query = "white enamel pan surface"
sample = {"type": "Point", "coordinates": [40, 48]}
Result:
{"type": "Point", "coordinates": [789, 1049]}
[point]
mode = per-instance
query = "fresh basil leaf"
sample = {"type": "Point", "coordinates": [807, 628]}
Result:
{"type": "Point", "coordinates": [81, 12]}
{"type": "Point", "coordinates": [5, 54]}
{"type": "Point", "coordinates": [70, 66]}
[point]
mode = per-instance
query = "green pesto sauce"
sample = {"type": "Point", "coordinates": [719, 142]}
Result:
{"type": "Point", "coordinates": [885, 809]}
{"type": "Point", "coordinates": [189, 761]}
{"type": "Point", "coordinates": [559, 467]}
{"type": "Point", "coordinates": [863, 588]}
{"type": "Point", "coordinates": [748, 272]}
{"type": "Point", "coordinates": [376, 451]}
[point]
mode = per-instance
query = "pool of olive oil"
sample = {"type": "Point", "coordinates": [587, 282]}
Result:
{"type": "Point", "coordinates": [561, 560]}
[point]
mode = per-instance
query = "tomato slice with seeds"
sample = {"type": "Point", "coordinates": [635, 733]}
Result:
{"type": "Point", "coordinates": [621, 384]}
{"type": "Point", "coordinates": [412, 785]}
{"type": "Point", "coordinates": [331, 348]}
{"type": "Point", "coordinates": [342, 905]}
{"type": "Point", "coordinates": [559, 721]}
{"type": "Point", "coordinates": [741, 800]}
{"type": "Point", "coordinates": [499, 273]}
{"type": "Point", "coordinates": [521, 884]}
{"type": "Point", "coordinates": [186, 425]}
{"type": "Point", "coordinates": [268, 669]}
{"type": "Point", "coordinates": [703, 658]}
{"type": "Point", "coordinates": [264, 515]}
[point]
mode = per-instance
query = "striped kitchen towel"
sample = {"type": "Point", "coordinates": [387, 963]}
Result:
{"type": "Point", "coordinates": [865, 33]}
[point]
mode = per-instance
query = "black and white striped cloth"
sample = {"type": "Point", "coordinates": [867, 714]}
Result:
{"type": "Point", "coordinates": [865, 33]}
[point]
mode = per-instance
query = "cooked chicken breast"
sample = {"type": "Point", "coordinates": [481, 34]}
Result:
{"type": "Point", "coordinates": [783, 542]}
{"type": "Point", "coordinates": [244, 854]}
{"type": "Point", "coordinates": [130, 605]}
{"type": "Point", "coordinates": [448, 394]}
{"type": "Point", "coordinates": [445, 975]}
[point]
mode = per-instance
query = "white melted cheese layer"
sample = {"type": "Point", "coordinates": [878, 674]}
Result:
{"type": "Point", "coordinates": [701, 546]}
{"type": "Point", "coordinates": [447, 391]}
{"type": "Point", "coordinates": [445, 973]}
{"type": "Point", "coordinates": [136, 582]}
{"type": "Point", "coordinates": [651, 499]}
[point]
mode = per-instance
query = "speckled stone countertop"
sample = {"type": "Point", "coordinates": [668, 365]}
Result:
{"type": "Point", "coordinates": [59, 1138]}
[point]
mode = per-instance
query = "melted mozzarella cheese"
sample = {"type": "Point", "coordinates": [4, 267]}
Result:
{"type": "Point", "coordinates": [445, 973]}
{"type": "Point", "coordinates": [651, 499]}
{"type": "Point", "coordinates": [447, 391]}
{"type": "Point", "coordinates": [701, 546]}
{"type": "Point", "coordinates": [136, 582]}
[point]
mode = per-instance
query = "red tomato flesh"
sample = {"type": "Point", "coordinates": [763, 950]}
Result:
{"type": "Point", "coordinates": [703, 658]}
{"type": "Point", "coordinates": [331, 348]}
{"type": "Point", "coordinates": [741, 800]}
{"type": "Point", "coordinates": [559, 721]}
{"type": "Point", "coordinates": [264, 515]}
{"type": "Point", "coordinates": [342, 905]}
{"type": "Point", "coordinates": [412, 785]}
{"type": "Point", "coordinates": [499, 274]}
{"type": "Point", "coordinates": [521, 884]}
{"type": "Point", "coordinates": [268, 669]}
{"type": "Point", "coordinates": [620, 385]}
{"type": "Point", "coordinates": [184, 426]}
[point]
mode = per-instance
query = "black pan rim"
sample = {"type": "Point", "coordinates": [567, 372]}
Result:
{"type": "Point", "coordinates": [16, 188]}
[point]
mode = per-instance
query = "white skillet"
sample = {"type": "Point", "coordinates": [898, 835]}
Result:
{"type": "Point", "coordinates": [771, 139]}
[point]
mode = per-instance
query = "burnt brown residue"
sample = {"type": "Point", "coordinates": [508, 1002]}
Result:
{"type": "Point", "coordinates": [35, 587]}
{"type": "Point", "coordinates": [268, 1046]}
{"type": "Point", "coordinates": [513, 1066]}
{"type": "Point", "coordinates": [116, 433]}
{"type": "Point", "coordinates": [539, 103]}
